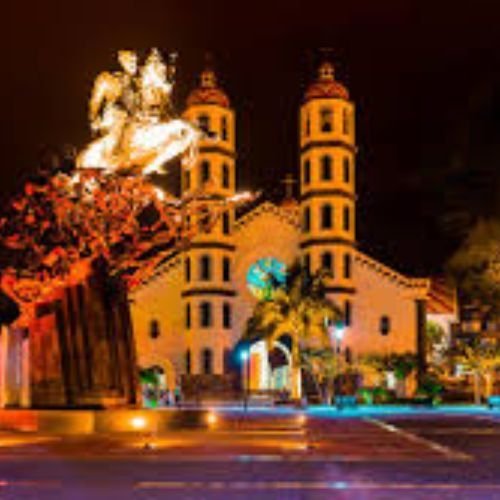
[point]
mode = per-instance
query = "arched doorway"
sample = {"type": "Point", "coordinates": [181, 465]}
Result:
{"type": "Point", "coordinates": [271, 367]}
{"type": "Point", "coordinates": [157, 384]}
{"type": "Point", "coordinates": [280, 365]}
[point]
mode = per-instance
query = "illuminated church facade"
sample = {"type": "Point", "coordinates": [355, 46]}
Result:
{"type": "Point", "coordinates": [190, 315]}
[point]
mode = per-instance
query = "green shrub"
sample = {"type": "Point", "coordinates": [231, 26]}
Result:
{"type": "Point", "coordinates": [375, 395]}
{"type": "Point", "coordinates": [431, 387]}
{"type": "Point", "coordinates": [366, 395]}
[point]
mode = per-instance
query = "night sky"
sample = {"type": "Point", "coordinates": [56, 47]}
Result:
{"type": "Point", "coordinates": [425, 78]}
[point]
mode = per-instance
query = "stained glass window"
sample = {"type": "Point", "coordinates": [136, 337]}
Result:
{"type": "Point", "coordinates": [265, 276]}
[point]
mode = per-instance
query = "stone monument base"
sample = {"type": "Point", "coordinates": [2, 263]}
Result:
{"type": "Point", "coordinates": [81, 346]}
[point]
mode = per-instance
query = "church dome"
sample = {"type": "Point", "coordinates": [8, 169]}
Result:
{"type": "Point", "coordinates": [326, 86]}
{"type": "Point", "coordinates": [208, 92]}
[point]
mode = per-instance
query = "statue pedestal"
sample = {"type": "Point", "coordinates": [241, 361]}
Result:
{"type": "Point", "coordinates": [81, 346]}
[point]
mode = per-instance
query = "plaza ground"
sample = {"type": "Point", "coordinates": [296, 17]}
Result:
{"type": "Point", "coordinates": [319, 453]}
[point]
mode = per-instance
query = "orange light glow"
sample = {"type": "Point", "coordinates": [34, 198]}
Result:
{"type": "Point", "coordinates": [212, 419]}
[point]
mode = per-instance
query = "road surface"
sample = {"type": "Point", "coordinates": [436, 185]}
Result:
{"type": "Point", "coordinates": [291, 455]}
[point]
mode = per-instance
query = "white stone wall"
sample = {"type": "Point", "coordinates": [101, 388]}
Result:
{"type": "Point", "coordinates": [160, 299]}
{"type": "Point", "coordinates": [381, 291]}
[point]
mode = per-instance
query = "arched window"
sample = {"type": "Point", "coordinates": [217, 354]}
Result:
{"type": "Point", "coordinates": [226, 223]}
{"type": "Point", "coordinates": [326, 119]}
{"type": "Point", "coordinates": [203, 219]}
{"type": "Point", "coordinates": [204, 123]}
{"type": "Point", "coordinates": [307, 172]}
{"type": "Point", "coordinates": [306, 220]}
{"type": "Point", "coordinates": [225, 176]}
{"type": "Point", "coordinates": [154, 329]}
{"type": "Point", "coordinates": [187, 269]}
{"type": "Point", "coordinates": [347, 265]}
{"type": "Point", "coordinates": [326, 168]}
{"type": "Point", "coordinates": [326, 216]}
{"type": "Point", "coordinates": [207, 361]}
{"type": "Point", "coordinates": [348, 355]}
{"type": "Point", "coordinates": [226, 315]}
{"type": "Point", "coordinates": [205, 268]}
{"type": "Point", "coordinates": [385, 325]}
{"type": "Point", "coordinates": [307, 132]}
{"type": "Point", "coordinates": [347, 313]}
{"type": "Point", "coordinates": [327, 261]}
{"type": "Point", "coordinates": [307, 264]}
{"type": "Point", "coordinates": [205, 171]}
{"type": "Point", "coordinates": [345, 121]}
{"type": "Point", "coordinates": [347, 219]}
{"type": "Point", "coordinates": [347, 170]}
{"type": "Point", "coordinates": [188, 362]}
{"type": "Point", "coordinates": [223, 128]}
{"type": "Point", "coordinates": [226, 269]}
{"type": "Point", "coordinates": [188, 316]}
{"type": "Point", "coordinates": [187, 179]}
{"type": "Point", "coordinates": [205, 315]}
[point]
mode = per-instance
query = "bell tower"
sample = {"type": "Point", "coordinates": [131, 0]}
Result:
{"type": "Point", "coordinates": [208, 292]}
{"type": "Point", "coordinates": [327, 185]}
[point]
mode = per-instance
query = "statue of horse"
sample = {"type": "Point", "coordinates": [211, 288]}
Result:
{"type": "Point", "coordinates": [131, 111]}
{"type": "Point", "coordinates": [142, 147]}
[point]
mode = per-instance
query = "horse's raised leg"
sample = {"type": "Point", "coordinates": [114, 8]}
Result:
{"type": "Point", "coordinates": [165, 155]}
{"type": "Point", "coordinates": [174, 149]}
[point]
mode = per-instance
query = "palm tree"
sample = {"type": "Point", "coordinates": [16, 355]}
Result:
{"type": "Point", "coordinates": [436, 345]}
{"type": "Point", "coordinates": [299, 309]}
{"type": "Point", "coordinates": [322, 364]}
{"type": "Point", "coordinates": [482, 361]}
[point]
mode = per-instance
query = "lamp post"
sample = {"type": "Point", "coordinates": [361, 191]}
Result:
{"type": "Point", "coordinates": [245, 358]}
{"type": "Point", "coordinates": [336, 333]}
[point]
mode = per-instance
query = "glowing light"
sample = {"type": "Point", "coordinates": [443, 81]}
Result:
{"type": "Point", "coordinates": [301, 419]}
{"type": "Point", "coordinates": [160, 194]}
{"type": "Point", "coordinates": [243, 196]}
{"type": "Point", "coordinates": [138, 423]}
{"type": "Point", "coordinates": [244, 355]}
{"type": "Point", "coordinates": [339, 331]}
{"type": "Point", "coordinates": [212, 419]}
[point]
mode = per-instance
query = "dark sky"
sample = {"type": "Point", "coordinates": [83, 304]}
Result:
{"type": "Point", "coordinates": [425, 77]}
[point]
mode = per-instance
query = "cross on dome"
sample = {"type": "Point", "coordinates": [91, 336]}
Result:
{"type": "Point", "coordinates": [326, 72]}
{"type": "Point", "coordinates": [325, 86]}
{"type": "Point", "coordinates": [208, 79]}
{"type": "Point", "coordinates": [208, 92]}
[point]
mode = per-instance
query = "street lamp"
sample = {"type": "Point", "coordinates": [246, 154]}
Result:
{"type": "Point", "coordinates": [339, 331]}
{"type": "Point", "coordinates": [245, 359]}
{"type": "Point", "coordinates": [336, 332]}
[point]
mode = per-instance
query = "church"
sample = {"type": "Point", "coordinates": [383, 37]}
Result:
{"type": "Point", "coordinates": [189, 317]}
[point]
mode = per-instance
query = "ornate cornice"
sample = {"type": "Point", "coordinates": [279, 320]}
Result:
{"type": "Point", "coordinates": [171, 262]}
{"type": "Point", "coordinates": [416, 284]}
{"type": "Point", "coordinates": [328, 192]}
{"type": "Point", "coordinates": [326, 241]}
{"type": "Point", "coordinates": [328, 144]}
{"type": "Point", "coordinates": [209, 245]}
{"type": "Point", "coordinates": [287, 215]}
{"type": "Point", "coordinates": [218, 150]}
{"type": "Point", "coordinates": [196, 292]}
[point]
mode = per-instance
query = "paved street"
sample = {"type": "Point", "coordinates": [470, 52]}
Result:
{"type": "Point", "coordinates": [286, 454]}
